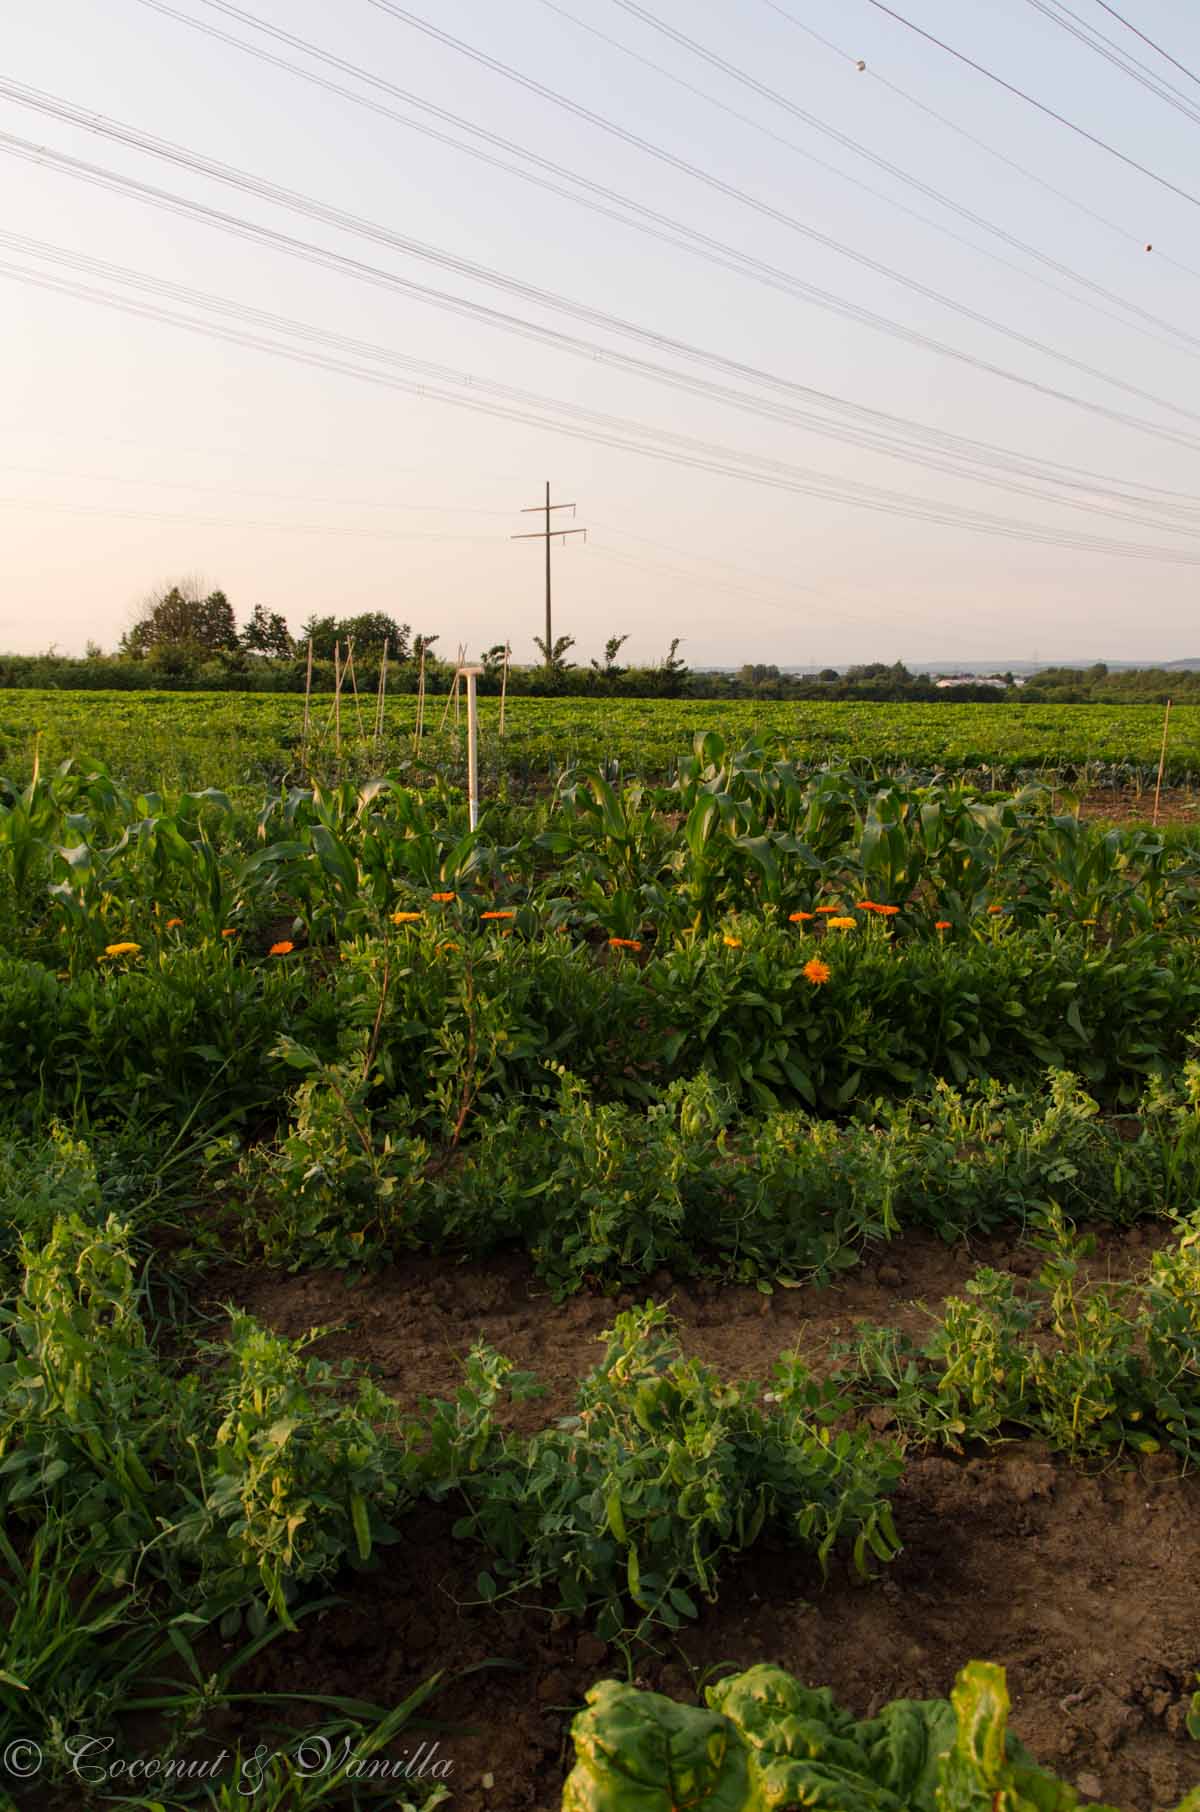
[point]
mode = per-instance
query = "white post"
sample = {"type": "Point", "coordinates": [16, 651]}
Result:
{"type": "Point", "coordinates": [470, 673]}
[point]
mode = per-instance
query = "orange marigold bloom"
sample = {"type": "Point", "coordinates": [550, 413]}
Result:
{"type": "Point", "coordinates": [406, 918]}
{"type": "Point", "coordinates": [797, 918]}
{"type": "Point", "coordinates": [624, 943]}
{"type": "Point", "coordinates": [995, 909]}
{"type": "Point", "coordinates": [941, 925]}
{"type": "Point", "coordinates": [842, 924]}
{"type": "Point", "coordinates": [866, 905]}
{"type": "Point", "coordinates": [229, 933]}
{"type": "Point", "coordinates": [442, 896]}
{"type": "Point", "coordinates": [125, 949]}
{"type": "Point", "coordinates": [498, 915]}
{"type": "Point", "coordinates": [734, 943]}
{"type": "Point", "coordinates": [889, 912]}
{"type": "Point", "coordinates": [829, 909]}
{"type": "Point", "coordinates": [816, 972]}
{"type": "Point", "coordinates": [173, 923]}
{"type": "Point", "coordinates": [281, 949]}
{"type": "Point", "coordinates": [448, 946]}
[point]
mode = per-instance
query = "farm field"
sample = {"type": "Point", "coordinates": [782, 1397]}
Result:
{"type": "Point", "coordinates": [743, 1215]}
{"type": "Point", "coordinates": [236, 739]}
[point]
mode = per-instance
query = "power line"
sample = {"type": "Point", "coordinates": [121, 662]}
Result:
{"type": "Point", "coordinates": [971, 138]}
{"type": "Point", "coordinates": [513, 405]}
{"type": "Point", "coordinates": [374, 274]}
{"type": "Point", "coordinates": [702, 245]}
{"type": "Point", "coordinates": [1122, 20]}
{"type": "Point", "coordinates": [751, 82]}
{"type": "Point", "coordinates": [961, 56]}
{"type": "Point", "coordinates": [1133, 67]}
{"type": "Point", "coordinates": [963, 459]}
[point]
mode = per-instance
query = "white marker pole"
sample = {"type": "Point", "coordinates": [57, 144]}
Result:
{"type": "Point", "coordinates": [470, 673]}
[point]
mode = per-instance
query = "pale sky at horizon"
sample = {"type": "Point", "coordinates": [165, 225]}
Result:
{"type": "Point", "coordinates": [132, 451]}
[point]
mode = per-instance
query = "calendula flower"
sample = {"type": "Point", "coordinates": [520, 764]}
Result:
{"type": "Point", "coordinates": [229, 933]}
{"type": "Point", "coordinates": [498, 915]}
{"type": "Point", "coordinates": [406, 918]}
{"type": "Point", "coordinates": [281, 949]}
{"type": "Point", "coordinates": [941, 925]}
{"type": "Point", "coordinates": [442, 897]}
{"type": "Point", "coordinates": [624, 943]}
{"type": "Point", "coordinates": [733, 943]}
{"type": "Point", "coordinates": [842, 924]}
{"type": "Point", "coordinates": [448, 946]}
{"type": "Point", "coordinates": [995, 909]}
{"type": "Point", "coordinates": [174, 924]}
{"type": "Point", "coordinates": [865, 905]}
{"type": "Point", "coordinates": [829, 909]}
{"type": "Point", "coordinates": [125, 949]}
{"type": "Point", "coordinates": [887, 912]}
{"type": "Point", "coordinates": [816, 972]}
{"type": "Point", "coordinates": [798, 918]}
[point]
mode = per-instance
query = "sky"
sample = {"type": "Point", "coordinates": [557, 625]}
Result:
{"type": "Point", "coordinates": [749, 389]}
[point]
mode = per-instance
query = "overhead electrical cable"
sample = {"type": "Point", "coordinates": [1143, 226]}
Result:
{"type": "Point", "coordinates": [873, 74]}
{"type": "Point", "coordinates": [961, 56]}
{"type": "Point", "coordinates": [511, 404]}
{"type": "Point", "coordinates": [783, 101]}
{"type": "Point", "coordinates": [1131, 66]}
{"type": "Point", "coordinates": [1122, 20]}
{"type": "Point", "coordinates": [878, 423]}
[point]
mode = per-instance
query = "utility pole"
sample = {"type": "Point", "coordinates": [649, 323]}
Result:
{"type": "Point", "coordinates": [546, 535]}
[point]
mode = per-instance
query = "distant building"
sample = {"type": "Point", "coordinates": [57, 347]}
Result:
{"type": "Point", "coordinates": [996, 680]}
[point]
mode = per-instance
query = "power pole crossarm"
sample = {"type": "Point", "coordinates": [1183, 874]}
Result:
{"type": "Point", "coordinates": [547, 535]}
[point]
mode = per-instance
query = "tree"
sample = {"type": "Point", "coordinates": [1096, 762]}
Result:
{"type": "Point", "coordinates": [181, 620]}
{"type": "Point", "coordinates": [268, 634]}
{"type": "Point", "coordinates": [828, 674]}
{"type": "Point", "coordinates": [555, 657]}
{"type": "Point", "coordinates": [368, 632]}
{"type": "Point", "coordinates": [612, 649]}
{"type": "Point", "coordinates": [492, 660]}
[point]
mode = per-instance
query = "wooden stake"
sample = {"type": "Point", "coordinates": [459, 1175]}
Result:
{"type": "Point", "coordinates": [504, 686]}
{"type": "Point", "coordinates": [420, 707]}
{"type": "Point", "coordinates": [452, 695]}
{"type": "Point", "coordinates": [362, 734]}
{"type": "Point", "coordinates": [382, 692]}
{"type": "Point", "coordinates": [1162, 758]}
{"type": "Point", "coordinates": [307, 697]}
{"type": "Point", "coordinates": [337, 699]}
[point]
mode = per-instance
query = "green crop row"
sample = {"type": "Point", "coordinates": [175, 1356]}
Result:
{"type": "Point", "coordinates": [237, 740]}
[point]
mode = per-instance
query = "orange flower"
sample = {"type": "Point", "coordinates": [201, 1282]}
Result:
{"type": "Point", "coordinates": [816, 972]}
{"type": "Point", "coordinates": [866, 905]}
{"type": "Point", "coordinates": [941, 925]}
{"type": "Point", "coordinates": [829, 909]}
{"type": "Point", "coordinates": [125, 949]}
{"type": "Point", "coordinates": [733, 943]}
{"type": "Point", "coordinates": [173, 923]}
{"type": "Point", "coordinates": [229, 934]}
{"type": "Point", "coordinates": [842, 924]}
{"type": "Point", "coordinates": [995, 909]}
{"type": "Point", "coordinates": [281, 949]}
{"type": "Point", "coordinates": [498, 915]}
{"type": "Point", "coordinates": [888, 912]}
{"type": "Point", "coordinates": [448, 946]}
{"type": "Point", "coordinates": [406, 918]}
{"type": "Point", "coordinates": [624, 943]}
{"type": "Point", "coordinates": [798, 918]}
{"type": "Point", "coordinates": [442, 897]}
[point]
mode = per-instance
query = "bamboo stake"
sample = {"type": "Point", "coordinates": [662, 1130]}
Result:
{"type": "Point", "coordinates": [1161, 761]}
{"type": "Point", "coordinates": [452, 695]}
{"type": "Point", "coordinates": [307, 697]}
{"type": "Point", "coordinates": [362, 734]}
{"type": "Point", "coordinates": [504, 686]}
{"type": "Point", "coordinates": [382, 692]}
{"type": "Point", "coordinates": [337, 699]}
{"type": "Point", "coordinates": [420, 706]}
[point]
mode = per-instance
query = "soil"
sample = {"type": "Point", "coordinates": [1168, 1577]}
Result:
{"type": "Point", "coordinates": [1085, 1586]}
{"type": "Point", "coordinates": [1110, 805]}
